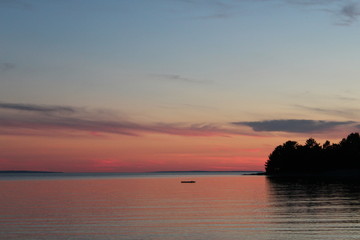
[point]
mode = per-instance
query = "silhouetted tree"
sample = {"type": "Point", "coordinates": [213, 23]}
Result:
{"type": "Point", "coordinates": [326, 144]}
{"type": "Point", "coordinates": [278, 158]}
{"type": "Point", "coordinates": [292, 157]}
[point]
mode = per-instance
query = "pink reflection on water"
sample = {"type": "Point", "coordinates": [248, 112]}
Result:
{"type": "Point", "coordinates": [132, 207]}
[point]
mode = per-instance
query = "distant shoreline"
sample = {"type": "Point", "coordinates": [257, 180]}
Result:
{"type": "Point", "coordinates": [199, 171]}
{"type": "Point", "coordinates": [165, 172]}
{"type": "Point", "coordinates": [21, 171]}
{"type": "Point", "coordinates": [351, 173]}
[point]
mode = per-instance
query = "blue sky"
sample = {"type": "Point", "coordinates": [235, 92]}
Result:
{"type": "Point", "coordinates": [194, 63]}
{"type": "Point", "coordinates": [107, 52]}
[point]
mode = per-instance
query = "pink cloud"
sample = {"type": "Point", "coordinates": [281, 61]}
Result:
{"type": "Point", "coordinates": [28, 119]}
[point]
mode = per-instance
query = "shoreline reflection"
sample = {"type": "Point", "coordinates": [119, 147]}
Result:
{"type": "Point", "coordinates": [313, 207]}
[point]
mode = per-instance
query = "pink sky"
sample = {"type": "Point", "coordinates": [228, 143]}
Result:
{"type": "Point", "coordinates": [69, 139]}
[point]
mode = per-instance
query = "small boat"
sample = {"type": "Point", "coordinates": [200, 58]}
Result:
{"type": "Point", "coordinates": [188, 182]}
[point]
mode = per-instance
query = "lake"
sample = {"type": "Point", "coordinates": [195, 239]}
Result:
{"type": "Point", "coordinates": [159, 206]}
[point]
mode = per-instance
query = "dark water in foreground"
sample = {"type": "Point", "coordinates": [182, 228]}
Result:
{"type": "Point", "coordinates": [158, 206]}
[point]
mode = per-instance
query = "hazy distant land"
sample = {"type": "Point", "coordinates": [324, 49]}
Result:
{"type": "Point", "coordinates": [21, 171]}
{"type": "Point", "coordinates": [160, 172]}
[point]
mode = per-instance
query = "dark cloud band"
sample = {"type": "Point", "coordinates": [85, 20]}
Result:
{"type": "Point", "coordinates": [292, 125]}
{"type": "Point", "coordinates": [62, 118]}
{"type": "Point", "coordinates": [6, 66]}
{"type": "Point", "coordinates": [35, 108]}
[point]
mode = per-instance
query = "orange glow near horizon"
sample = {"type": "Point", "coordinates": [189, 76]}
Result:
{"type": "Point", "coordinates": [131, 154]}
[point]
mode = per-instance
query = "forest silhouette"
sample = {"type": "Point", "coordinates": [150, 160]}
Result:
{"type": "Point", "coordinates": [311, 158]}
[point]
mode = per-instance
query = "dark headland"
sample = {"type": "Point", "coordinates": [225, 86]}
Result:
{"type": "Point", "coordinates": [312, 159]}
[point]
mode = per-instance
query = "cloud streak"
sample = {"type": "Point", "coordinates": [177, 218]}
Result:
{"type": "Point", "coordinates": [36, 108]}
{"type": "Point", "coordinates": [347, 113]}
{"type": "Point", "coordinates": [32, 119]}
{"type": "Point", "coordinates": [346, 11]}
{"type": "Point", "coordinates": [350, 12]}
{"type": "Point", "coordinates": [5, 66]}
{"type": "Point", "coordinates": [28, 118]}
{"type": "Point", "coordinates": [179, 78]}
{"type": "Point", "coordinates": [293, 125]}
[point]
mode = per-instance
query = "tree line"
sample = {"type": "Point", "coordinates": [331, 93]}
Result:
{"type": "Point", "coordinates": [292, 157]}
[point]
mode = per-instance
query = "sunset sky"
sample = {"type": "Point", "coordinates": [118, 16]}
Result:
{"type": "Point", "coordinates": [160, 85]}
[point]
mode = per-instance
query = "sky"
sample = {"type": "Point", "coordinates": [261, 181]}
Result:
{"type": "Point", "coordinates": [173, 85]}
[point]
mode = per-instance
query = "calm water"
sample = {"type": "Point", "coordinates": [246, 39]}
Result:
{"type": "Point", "coordinates": [160, 207]}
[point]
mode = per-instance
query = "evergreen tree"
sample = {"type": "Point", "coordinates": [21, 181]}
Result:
{"type": "Point", "coordinates": [312, 157]}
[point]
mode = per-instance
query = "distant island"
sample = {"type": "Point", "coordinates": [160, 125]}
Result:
{"type": "Point", "coordinates": [21, 171]}
{"type": "Point", "coordinates": [292, 158]}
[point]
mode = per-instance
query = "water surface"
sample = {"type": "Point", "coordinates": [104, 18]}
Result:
{"type": "Point", "coordinates": [158, 206]}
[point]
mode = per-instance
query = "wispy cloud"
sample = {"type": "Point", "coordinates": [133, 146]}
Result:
{"type": "Point", "coordinates": [5, 66]}
{"type": "Point", "coordinates": [42, 118]}
{"type": "Point", "coordinates": [33, 119]}
{"type": "Point", "coordinates": [188, 106]}
{"type": "Point", "coordinates": [179, 78]}
{"type": "Point", "coordinates": [293, 125]}
{"type": "Point", "coordinates": [350, 12]}
{"type": "Point", "coordinates": [346, 11]}
{"type": "Point", "coordinates": [346, 113]}
{"type": "Point", "coordinates": [36, 108]}
{"type": "Point", "coordinates": [346, 98]}
{"type": "Point", "coordinates": [311, 2]}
